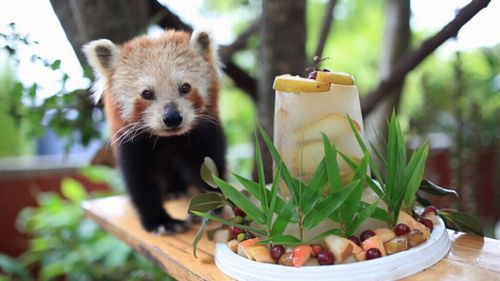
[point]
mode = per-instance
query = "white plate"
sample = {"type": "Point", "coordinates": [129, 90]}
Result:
{"type": "Point", "coordinates": [387, 268]}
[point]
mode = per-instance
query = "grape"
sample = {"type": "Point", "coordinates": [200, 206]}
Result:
{"type": "Point", "coordinates": [239, 212]}
{"type": "Point", "coordinates": [312, 75]}
{"type": "Point", "coordinates": [401, 229]}
{"type": "Point", "coordinates": [235, 231]}
{"type": "Point", "coordinates": [373, 253]}
{"type": "Point", "coordinates": [326, 258]}
{"type": "Point", "coordinates": [366, 234]}
{"type": "Point", "coordinates": [428, 223]}
{"type": "Point", "coordinates": [241, 237]}
{"type": "Point", "coordinates": [430, 209]}
{"type": "Point", "coordinates": [277, 251]}
{"type": "Point", "coordinates": [355, 239]}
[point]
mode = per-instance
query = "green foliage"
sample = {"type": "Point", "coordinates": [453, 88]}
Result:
{"type": "Point", "coordinates": [66, 244]}
{"type": "Point", "coordinates": [273, 214]}
{"type": "Point", "coordinates": [69, 113]}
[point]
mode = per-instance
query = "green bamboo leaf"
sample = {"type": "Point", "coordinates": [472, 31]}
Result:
{"type": "Point", "coordinates": [283, 219]}
{"type": "Point", "coordinates": [434, 189]}
{"type": "Point", "coordinates": [352, 202]}
{"type": "Point", "coordinates": [361, 218]}
{"type": "Point", "coordinates": [274, 196]}
{"type": "Point", "coordinates": [285, 173]}
{"type": "Point", "coordinates": [205, 202]}
{"type": "Point", "coordinates": [392, 162]}
{"type": "Point", "coordinates": [332, 167]}
{"type": "Point", "coordinates": [379, 213]}
{"type": "Point", "coordinates": [285, 240]}
{"type": "Point", "coordinates": [414, 173]}
{"type": "Point", "coordinates": [378, 154]}
{"type": "Point", "coordinates": [314, 193]}
{"type": "Point", "coordinates": [328, 205]}
{"type": "Point", "coordinates": [253, 188]}
{"type": "Point", "coordinates": [320, 237]}
{"type": "Point", "coordinates": [461, 221]}
{"type": "Point", "coordinates": [262, 179]}
{"type": "Point", "coordinates": [198, 236]}
{"type": "Point", "coordinates": [371, 183]}
{"type": "Point", "coordinates": [241, 201]}
{"type": "Point", "coordinates": [208, 170]}
{"type": "Point", "coordinates": [229, 223]}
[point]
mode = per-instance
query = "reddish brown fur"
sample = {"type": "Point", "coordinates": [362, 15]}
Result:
{"type": "Point", "coordinates": [112, 112]}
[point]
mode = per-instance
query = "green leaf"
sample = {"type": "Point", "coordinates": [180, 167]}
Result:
{"type": "Point", "coordinates": [229, 223]}
{"type": "Point", "coordinates": [314, 193]}
{"type": "Point", "coordinates": [56, 64]}
{"type": "Point", "coordinates": [378, 154]}
{"type": "Point", "coordinates": [205, 202]}
{"type": "Point", "coordinates": [332, 167]}
{"type": "Point", "coordinates": [352, 202]}
{"type": "Point", "coordinates": [361, 218]}
{"type": "Point", "coordinates": [320, 237]}
{"type": "Point", "coordinates": [13, 267]}
{"type": "Point", "coordinates": [414, 173]}
{"type": "Point", "coordinates": [285, 240]}
{"type": "Point", "coordinates": [274, 196]}
{"type": "Point", "coordinates": [371, 183]}
{"type": "Point", "coordinates": [253, 188]}
{"type": "Point", "coordinates": [262, 178]}
{"type": "Point", "coordinates": [283, 219]}
{"type": "Point", "coordinates": [198, 235]}
{"type": "Point", "coordinates": [461, 221]}
{"type": "Point", "coordinates": [328, 205]}
{"type": "Point", "coordinates": [285, 173]}
{"type": "Point", "coordinates": [434, 189]}
{"type": "Point", "coordinates": [73, 190]}
{"type": "Point", "coordinates": [32, 91]}
{"type": "Point", "coordinates": [208, 170]}
{"type": "Point", "coordinates": [241, 201]}
{"type": "Point", "coordinates": [379, 213]}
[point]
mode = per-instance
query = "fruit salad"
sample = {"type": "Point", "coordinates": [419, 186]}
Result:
{"type": "Point", "coordinates": [307, 107]}
{"type": "Point", "coordinates": [370, 244]}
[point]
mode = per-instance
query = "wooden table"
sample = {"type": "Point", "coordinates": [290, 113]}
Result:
{"type": "Point", "coordinates": [470, 258]}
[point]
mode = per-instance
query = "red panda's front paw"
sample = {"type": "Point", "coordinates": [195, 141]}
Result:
{"type": "Point", "coordinates": [171, 226]}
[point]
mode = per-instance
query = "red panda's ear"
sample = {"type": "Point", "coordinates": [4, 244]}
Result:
{"type": "Point", "coordinates": [202, 42]}
{"type": "Point", "coordinates": [102, 55]}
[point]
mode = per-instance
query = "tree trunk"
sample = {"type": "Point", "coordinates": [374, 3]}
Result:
{"type": "Point", "coordinates": [86, 20]}
{"type": "Point", "coordinates": [283, 33]}
{"type": "Point", "coordinates": [397, 40]}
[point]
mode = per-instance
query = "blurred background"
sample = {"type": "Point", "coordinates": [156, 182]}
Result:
{"type": "Point", "coordinates": [437, 63]}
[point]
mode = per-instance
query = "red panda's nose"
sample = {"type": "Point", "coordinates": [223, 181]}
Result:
{"type": "Point", "coordinates": [172, 118]}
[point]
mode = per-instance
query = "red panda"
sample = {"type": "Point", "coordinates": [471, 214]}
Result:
{"type": "Point", "coordinates": [160, 101]}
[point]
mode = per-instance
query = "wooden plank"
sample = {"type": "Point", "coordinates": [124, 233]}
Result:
{"type": "Point", "coordinates": [470, 258]}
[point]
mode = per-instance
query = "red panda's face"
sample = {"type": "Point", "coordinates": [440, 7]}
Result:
{"type": "Point", "coordinates": [161, 85]}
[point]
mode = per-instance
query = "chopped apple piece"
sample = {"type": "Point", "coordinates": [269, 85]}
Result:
{"type": "Point", "coordinates": [286, 259]}
{"type": "Point", "coordinates": [301, 255]}
{"type": "Point", "coordinates": [294, 84]}
{"type": "Point", "coordinates": [413, 224]}
{"type": "Point", "coordinates": [233, 245]}
{"type": "Point", "coordinates": [396, 245]}
{"type": "Point", "coordinates": [355, 248]}
{"type": "Point", "coordinates": [361, 256]}
{"type": "Point", "coordinates": [222, 235]}
{"type": "Point", "coordinates": [350, 259]}
{"type": "Point", "coordinates": [340, 78]}
{"type": "Point", "coordinates": [385, 234]}
{"type": "Point", "coordinates": [373, 242]}
{"type": "Point", "coordinates": [333, 125]}
{"type": "Point", "coordinates": [415, 238]}
{"type": "Point", "coordinates": [245, 245]}
{"type": "Point", "coordinates": [261, 254]}
{"type": "Point", "coordinates": [340, 247]}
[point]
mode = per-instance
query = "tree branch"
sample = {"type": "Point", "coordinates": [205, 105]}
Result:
{"type": "Point", "coordinates": [414, 58]}
{"type": "Point", "coordinates": [325, 28]}
{"type": "Point", "coordinates": [226, 52]}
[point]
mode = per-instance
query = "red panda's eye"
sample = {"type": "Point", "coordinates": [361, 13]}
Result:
{"type": "Point", "coordinates": [185, 88]}
{"type": "Point", "coordinates": [148, 95]}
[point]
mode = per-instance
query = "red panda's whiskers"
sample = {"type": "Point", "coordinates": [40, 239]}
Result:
{"type": "Point", "coordinates": [129, 132]}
